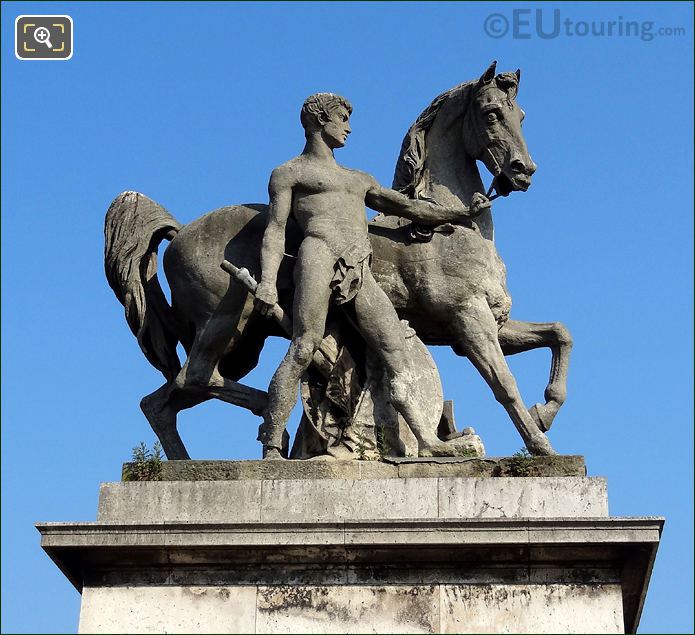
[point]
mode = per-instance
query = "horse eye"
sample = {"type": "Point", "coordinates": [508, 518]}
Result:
{"type": "Point", "coordinates": [491, 117]}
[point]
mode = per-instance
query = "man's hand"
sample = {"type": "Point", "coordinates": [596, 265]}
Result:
{"type": "Point", "coordinates": [479, 203]}
{"type": "Point", "coordinates": [266, 297]}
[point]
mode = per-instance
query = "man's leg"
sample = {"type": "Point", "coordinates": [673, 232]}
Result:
{"type": "Point", "coordinates": [380, 326]}
{"type": "Point", "coordinates": [313, 273]}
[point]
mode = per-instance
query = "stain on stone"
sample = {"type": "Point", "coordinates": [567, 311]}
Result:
{"type": "Point", "coordinates": [378, 607]}
{"type": "Point", "coordinates": [286, 598]}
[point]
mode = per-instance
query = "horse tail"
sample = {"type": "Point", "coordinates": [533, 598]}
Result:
{"type": "Point", "coordinates": [133, 228]}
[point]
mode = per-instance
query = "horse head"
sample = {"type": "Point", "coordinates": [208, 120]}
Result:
{"type": "Point", "coordinates": [475, 121]}
{"type": "Point", "coordinates": [492, 131]}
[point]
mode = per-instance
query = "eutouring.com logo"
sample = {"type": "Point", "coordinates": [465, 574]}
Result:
{"type": "Point", "coordinates": [524, 24]}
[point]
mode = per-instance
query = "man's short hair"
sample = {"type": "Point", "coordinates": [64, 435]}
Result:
{"type": "Point", "coordinates": [321, 103]}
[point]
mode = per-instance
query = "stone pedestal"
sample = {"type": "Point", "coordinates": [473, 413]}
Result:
{"type": "Point", "coordinates": [410, 546]}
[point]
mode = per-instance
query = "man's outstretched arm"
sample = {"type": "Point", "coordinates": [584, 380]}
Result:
{"type": "Point", "coordinates": [392, 203]}
{"type": "Point", "coordinates": [273, 246]}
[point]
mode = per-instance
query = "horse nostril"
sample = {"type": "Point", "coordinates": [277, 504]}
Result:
{"type": "Point", "coordinates": [519, 167]}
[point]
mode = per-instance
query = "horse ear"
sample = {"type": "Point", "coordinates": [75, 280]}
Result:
{"type": "Point", "coordinates": [489, 74]}
{"type": "Point", "coordinates": [518, 75]}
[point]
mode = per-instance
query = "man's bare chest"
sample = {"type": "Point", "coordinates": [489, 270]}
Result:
{"type": "Point", "coordinates": [330, 181]}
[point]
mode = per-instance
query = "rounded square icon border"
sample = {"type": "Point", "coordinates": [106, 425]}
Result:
{"type": "Point", "coordinates": [45, 59]}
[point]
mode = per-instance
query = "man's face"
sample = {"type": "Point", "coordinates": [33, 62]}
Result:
{"type": "Point", "coordinates": [337, 127]}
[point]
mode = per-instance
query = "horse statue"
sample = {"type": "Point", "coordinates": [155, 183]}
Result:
{"type": "Point", "coordinates": [448, 282]}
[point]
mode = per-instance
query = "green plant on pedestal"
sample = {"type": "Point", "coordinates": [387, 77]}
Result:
{"type": "Point", "coordinates": [146, 464]}
{"type": "Point", "coordinates": [521, 463]}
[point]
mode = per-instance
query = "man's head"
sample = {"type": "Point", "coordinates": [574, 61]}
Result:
{"type": "Point", "coordinates": [328, 113]}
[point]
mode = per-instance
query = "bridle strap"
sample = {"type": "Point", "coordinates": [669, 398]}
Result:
{"type": "Point", "coordinates": [498, 171]}
{"type": "Point", "coordinates": [497, 168]}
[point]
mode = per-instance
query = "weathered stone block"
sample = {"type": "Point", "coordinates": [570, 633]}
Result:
{"type": "Point", "coordinates": [374, 552]}
{"type": "Point", "coordinates": [153, 501]}
{"type": "Point", "coordinates": [348, 609]}
{"type": "Point", "coordinates": [531, 608]}
{"type": "Point", "coordinates": [393, 467]}
{"type": "Point", "coordinates": [168, 609]}
{"type": "Point", "coordinates": [330, 499]}
{"type": "Point", "coordinates": [333, 499]}
{"type": "Point", "coordinates": [522, 497]}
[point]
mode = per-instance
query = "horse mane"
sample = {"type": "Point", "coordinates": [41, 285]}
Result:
{"type": "Point", "coordinates": [411, 160]}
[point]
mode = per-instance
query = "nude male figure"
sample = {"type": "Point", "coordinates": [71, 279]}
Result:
{"type": "Point", "coordinates": [328, 202]}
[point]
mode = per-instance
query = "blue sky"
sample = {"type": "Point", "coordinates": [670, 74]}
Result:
{"type": "Point", "coordinates": [194, 104]}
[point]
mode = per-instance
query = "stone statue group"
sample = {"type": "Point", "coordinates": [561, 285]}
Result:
{"type": "Point", "coordinates": [359, 300]}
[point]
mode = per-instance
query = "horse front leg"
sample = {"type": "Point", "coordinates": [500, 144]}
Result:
{"type": "Point", "coordinates": [477, 339]}
{"type": "Point", "coordinates": [518, 337]}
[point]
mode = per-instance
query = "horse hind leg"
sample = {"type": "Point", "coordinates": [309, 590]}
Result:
{"type": "Point", "coordinates": [478, 340]}
{"type": "Point", "coordinates": [200, 379]}
{"type": "Point", "coordinates": [224, 335]}
{"type": "Point", "coordinates": [161, 408]}
{"type": "Point", "coordinates": [518, 337]}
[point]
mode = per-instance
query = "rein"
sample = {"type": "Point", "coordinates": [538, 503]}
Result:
{"type": "Point", "coordinates": [489, 192]}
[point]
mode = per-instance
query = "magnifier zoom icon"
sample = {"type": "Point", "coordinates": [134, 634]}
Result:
{"type": "Point", "coordinates": [43, 36]}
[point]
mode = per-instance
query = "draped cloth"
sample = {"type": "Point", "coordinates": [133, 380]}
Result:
{"type": "Point", "coordinates": [350, 270]}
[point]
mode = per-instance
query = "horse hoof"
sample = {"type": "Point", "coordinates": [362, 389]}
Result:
{"type": "Point", "coordinates": [439, 449]}
{"type": "Point", "coordinates": [540, 446]}
{"type": "Point", "coordinates": [273, 454]}
{"type": "Point", "coordinates": [259, 404]}
{"type": "Point", "coordinates": [540, 416]}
